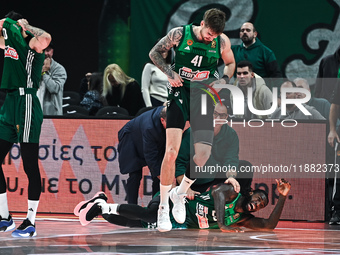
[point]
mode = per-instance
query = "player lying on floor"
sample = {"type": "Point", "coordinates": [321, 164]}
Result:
{"type": "Point", "coordinates": [219, 207]}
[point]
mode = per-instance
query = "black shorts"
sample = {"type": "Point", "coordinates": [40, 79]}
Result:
{"type": "Point", "coordinates": [179, 112]}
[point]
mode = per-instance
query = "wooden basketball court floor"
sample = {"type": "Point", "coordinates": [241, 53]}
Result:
{"type": "Point", "coordinates": [63, 234]}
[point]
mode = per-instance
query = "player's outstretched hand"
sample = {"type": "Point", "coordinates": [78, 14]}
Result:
{"type": "Point", "coordinates": [283, 186]}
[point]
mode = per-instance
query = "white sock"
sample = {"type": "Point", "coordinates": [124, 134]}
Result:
{"type": "Point", "coordinates": [32, 210]}
{"type": "Point", "coordinates": [4, 213]}
{"type": "Point", "coordinates": [184, 185]}
{"type": "Point", "coordinates": [109, 208]}
{"type": "Point", "coordinates": [164, 192]}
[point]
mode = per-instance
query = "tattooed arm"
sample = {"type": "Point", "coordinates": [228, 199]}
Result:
{"type": "Point", "coordinates": [227, 56]}
{"type": "Point", "coordinates": [164, 45]}
{"type": "Point", "coordinates": [41, 39]}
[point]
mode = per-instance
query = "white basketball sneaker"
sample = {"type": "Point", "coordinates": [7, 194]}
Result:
{"type": "Point", "coordinates": [163, 220]}
{"type": "Point", "coordinates": [178, 210]}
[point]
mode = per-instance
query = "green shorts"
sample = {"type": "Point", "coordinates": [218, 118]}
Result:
{"type": "Point", "coordinates": [21, 117]}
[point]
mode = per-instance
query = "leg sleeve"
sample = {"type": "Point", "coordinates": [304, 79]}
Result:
{"type": "Point", "coordinates": [136, 212]}
{"type": "Point", "coordinates": [29, 154]}
{"type": "Point", "coordinates": [121, 220]}
{"type": "Point", "coordinates": [4, 149]}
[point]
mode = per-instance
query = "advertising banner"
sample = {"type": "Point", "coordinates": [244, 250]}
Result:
{"type": "Point", "coordinates": [78, 158]}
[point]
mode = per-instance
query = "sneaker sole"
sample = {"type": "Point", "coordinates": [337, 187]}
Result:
{"type": "Point", "coordinates": [9, 228]}
{"type": "Point", "coordinates": [334, 223]}
{"type": "Point", "coordinates": [24, 235]}
{"type": "Point", "coordinates": [163, 230]}
{"type": "Point", "coordinates": [78, 207]}
{"type": "Point", "coordinates": [27, 232]}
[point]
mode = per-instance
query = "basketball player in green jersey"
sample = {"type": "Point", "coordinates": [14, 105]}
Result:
{"type": "Point", "coordinates": [218, 208]}
{"type": "Point", "coordinates": [21, 115]}
{"type": "Point", "coordinates": [198, 49]}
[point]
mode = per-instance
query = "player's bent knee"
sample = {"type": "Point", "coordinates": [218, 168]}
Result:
{"type": "Point", "coordinates": [171, 154]}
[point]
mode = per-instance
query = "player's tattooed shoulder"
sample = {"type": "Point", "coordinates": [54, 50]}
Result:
{"type": "Point", "coordinates": [175, 34]}
{"type": "Point", "coordinates": [223, 42]}
{"type": "Point", "coordinates": [172, 38]}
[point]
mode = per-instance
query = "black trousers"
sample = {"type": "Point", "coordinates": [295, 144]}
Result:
{"type": "Point", "coordinates": [133, 183]}
{"type": "Point", "coordinates": [131, 215]}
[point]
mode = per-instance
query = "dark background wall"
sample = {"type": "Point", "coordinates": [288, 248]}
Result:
{"type": "Point", "coordinates": [74, 28]}
{"type": "Point", "coordinates": [300, 33]}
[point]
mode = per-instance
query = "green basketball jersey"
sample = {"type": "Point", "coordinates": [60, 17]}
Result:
{"type": "Point", "coordinates": [196, 61]}
{"type": "Point", "coordinates": [23, 71]}
{"type": "Point", "coordinates": [201, 212]}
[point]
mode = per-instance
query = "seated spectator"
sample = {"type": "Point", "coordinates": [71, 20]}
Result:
{"type": "Point", "coordinates": [51, 87]}
{"type": "Point", "coordinates": [93, 100]}
{"type": "Point", "coordinates": [262, 97]}
{"type": "Point", "coordinates": [121, 90]}
{"type": "Point", "coordinates": [322, 105]}
{"type": "Point", "coordinates": [84, 85]}
{"type": "Point", "coordinates": [292, 111]}
{"type": "Point", "coordinates": [154, 83]}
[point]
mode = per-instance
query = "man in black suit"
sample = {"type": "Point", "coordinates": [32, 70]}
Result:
{"type": "Point", "coordinates": [142, 143]}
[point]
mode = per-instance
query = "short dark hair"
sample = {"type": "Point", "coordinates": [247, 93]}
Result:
{"type": "Point", "coordinates": [96, 82]}
{"type": "Point", "coordinates": [162, 114]}
{"type": "Point", "coordinates": [215, 20]}
{"type": "Point", "coordinates": [245, 63]}
{"type": "Point", "coordinates": [14, 15]}
{"type": "Point", "coordinates": [254, 29]}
